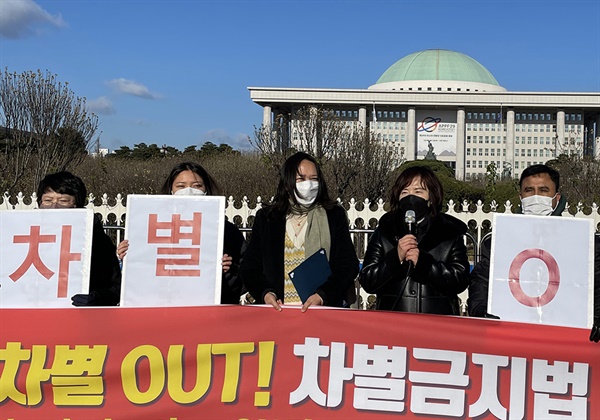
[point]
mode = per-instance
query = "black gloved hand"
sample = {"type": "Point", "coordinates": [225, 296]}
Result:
{"type": "Point", "coordinates": [491, 316]}
{"type": "Point", "coordinates": [83, 300]}
{"type": "Point", "coordinates": [595, 333]}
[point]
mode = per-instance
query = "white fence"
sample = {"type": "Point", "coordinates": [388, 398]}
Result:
{"type": "Point", "coordinates": [363, 216]}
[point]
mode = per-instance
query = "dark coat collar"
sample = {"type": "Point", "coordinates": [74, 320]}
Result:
{"type": "Point", "coordinates": [442, 228]}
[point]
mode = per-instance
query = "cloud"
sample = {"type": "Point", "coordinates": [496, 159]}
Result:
{"type": "Point", "coordinates": [238, 141]}
{"type": "Point", "coordinates": [22, 18]}
{"type": "Point", "coordinates": [131, 87]}
{"type": "Point", "coordinates": [101, 105]}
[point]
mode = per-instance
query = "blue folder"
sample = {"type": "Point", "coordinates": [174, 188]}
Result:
{"type": "Point", "coordinates": [311, 274]}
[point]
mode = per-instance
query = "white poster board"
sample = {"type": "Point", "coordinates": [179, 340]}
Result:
{"type": "Point", "coordinates": [45, 257]}
{"type": "Point", "coordinates": [175, 250]}
{"type": "Point", "coordinates": [542, 270]}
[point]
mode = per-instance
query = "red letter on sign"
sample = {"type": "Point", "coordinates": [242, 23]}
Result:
{"type": "Point", "coordinates": [553, 277]}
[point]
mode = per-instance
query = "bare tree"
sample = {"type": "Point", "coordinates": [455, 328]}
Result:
{"type": "Point", "coordinates": [362, 165]}
{"type": "Point", "coordinates": [355, 158]}
{"type": "Point", "coordinates": [318, 131]}
{"type": "Point", "coordinates": [47, 128]}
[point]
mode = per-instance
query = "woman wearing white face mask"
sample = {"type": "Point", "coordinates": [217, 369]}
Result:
{"type": "Point", "coordinates": [301, 220]}
{"type": "Point", "coordinates": [189, 178]}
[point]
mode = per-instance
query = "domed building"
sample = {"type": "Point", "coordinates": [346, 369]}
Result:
{"type": "Point", "coordinates": [446, 104]}
{"type": "Point", "coordinates": [445, 70]}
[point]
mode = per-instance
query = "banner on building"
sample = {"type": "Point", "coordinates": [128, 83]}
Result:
{"type": "Point", "coordinates": [436, 134]}
{"type": "Point", "coordinates": [542, 270]}
{"type": "Point", "coordinates": [241, 362]}
{"type": "Point", "coordinates": [175, 250]}
{"type": "Point", "coordinates": [45, 256]}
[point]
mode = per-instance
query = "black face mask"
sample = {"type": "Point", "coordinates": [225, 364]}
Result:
{"type": "Point", "coordinates": [412, 202]}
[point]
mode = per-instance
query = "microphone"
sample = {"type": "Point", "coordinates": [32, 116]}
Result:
{"type": "Point", "coordinates": [410, 218]}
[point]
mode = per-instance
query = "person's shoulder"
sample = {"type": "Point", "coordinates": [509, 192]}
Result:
{"type": "Point", "coordinates": [230, 227]}
{"type": "Point", "coordinates": [453, 224]}
{"type": "Point", "coordinates": [336, 210]}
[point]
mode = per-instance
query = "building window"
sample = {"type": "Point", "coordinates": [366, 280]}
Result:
{"type": "Point", "coordinates": [516, 152]}
{"type": "Point", "coordinates": [468, 163]}
{"type": "Point", "coordinates": [487, 152]}
{"type": "Point", "coordinates": [480, 152]}
{"type": "Point", "coordinates": [468, 151]}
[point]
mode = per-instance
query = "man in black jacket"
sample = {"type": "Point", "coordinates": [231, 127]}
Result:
{"type": "Point", "coordinates": [539, 191]}
{"type": "Point", "coordinates": [65, 190]}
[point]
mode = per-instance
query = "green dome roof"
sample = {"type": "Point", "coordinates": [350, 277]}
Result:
{"type": "Point", "coordinates": [437, 65]}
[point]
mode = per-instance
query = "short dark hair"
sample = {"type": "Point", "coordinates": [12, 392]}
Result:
{"type": "Point", "coordinates": [428, 179]}
{"type": "Point", "coordinates": [212, 188]}
{"type": "Point", "coordinates": [287, 185]}
{"type": "Point", "coordinates": [541, 169]}
{"type": "Point", "coordinates": [63, 183]}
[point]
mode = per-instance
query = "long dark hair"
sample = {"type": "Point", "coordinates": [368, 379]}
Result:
{"type": "Point", "coordinates": [63, 183]}
{"type": "Point", "coordinates": [212, 188]}
{"type": "Point", "coordinates": [287, 186]}
{"type": "Point", "coordinates": [428, 179]}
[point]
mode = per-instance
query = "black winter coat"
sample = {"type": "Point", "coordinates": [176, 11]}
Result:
{"type": "Point", "coordinates": [105, 271]}
{"type": "Point", "coordinates": [262, 269]}
{"type": "Point", "coordinates": [234, 245]}
{"type": "Point", "coordinates": [433, 284]}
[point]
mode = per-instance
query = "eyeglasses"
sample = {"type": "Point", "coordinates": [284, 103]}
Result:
{"type": "Point", "coordinates": [54, 203]}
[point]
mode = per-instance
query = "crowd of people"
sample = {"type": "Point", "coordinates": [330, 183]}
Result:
{"type": "Point", "coordinates": [416, 260]}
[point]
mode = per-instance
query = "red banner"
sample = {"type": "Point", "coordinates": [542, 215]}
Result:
{"type": "Point", "coordinates": [229, 362]}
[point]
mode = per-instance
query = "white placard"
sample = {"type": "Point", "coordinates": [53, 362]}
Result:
{"type": "Point", "coordinates": [45, 257]}
{"type": "Point", "coordinates": [542, 270]}
{"type": "Point", "coordinates": [175, 250]}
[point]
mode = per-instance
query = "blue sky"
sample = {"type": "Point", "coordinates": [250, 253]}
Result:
{"type": "Point", "coordinates": [176, 72]}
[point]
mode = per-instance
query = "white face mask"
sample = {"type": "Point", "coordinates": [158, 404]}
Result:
{"type": "Point", "coordinates": [307, 192]}
{"type": "Point", "coordinates": [538, 205]}
{"type": "Point", "coordinates": [189, 191]}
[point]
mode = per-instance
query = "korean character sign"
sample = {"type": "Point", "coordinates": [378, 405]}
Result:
{"type": "Point", "coordinates": [45, 257]}
{"type": "Point", "coordinates": [175, 251]}
{"type": "Point", "coordinates": [541, 270]}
